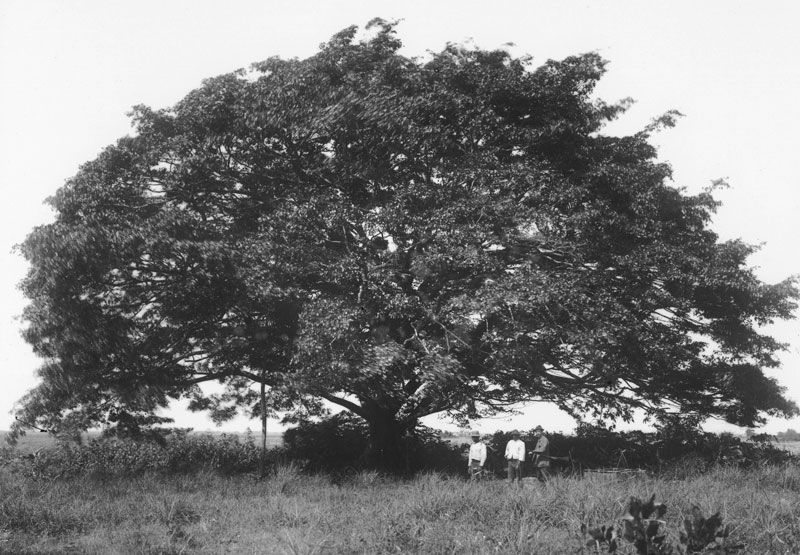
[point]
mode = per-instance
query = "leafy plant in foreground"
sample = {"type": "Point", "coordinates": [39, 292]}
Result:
{"type": "Point", "coordinates": [644, 530]}
{"type": "Point", "coordinates": [706, 534]}
{"type": "Point", "coordinates": [604, 535]}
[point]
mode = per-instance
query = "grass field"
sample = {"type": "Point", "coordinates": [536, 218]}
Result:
{"type": "Point", "coordinates": [367, 514]}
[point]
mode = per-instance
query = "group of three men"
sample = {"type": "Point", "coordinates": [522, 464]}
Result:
{"type": "Point", "coordinates": [515, 455]}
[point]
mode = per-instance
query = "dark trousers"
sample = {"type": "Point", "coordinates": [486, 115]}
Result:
{"type": "Point", "coordinates": [514, 470]}
{"type": "Point", "coordinates": [475, 469]}
{"type": "Point", "coordinates": [543, 473]}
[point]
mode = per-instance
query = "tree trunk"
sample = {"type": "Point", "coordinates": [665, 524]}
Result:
{"type": "Point", "coordinates": [389, 448]}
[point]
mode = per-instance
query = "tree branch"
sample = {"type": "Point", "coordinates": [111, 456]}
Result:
{"type": "Point", "coordinates": [349, 405]}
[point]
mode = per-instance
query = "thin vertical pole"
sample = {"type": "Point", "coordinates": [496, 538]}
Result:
{"type": "Point", "coordinates": [263, 423]}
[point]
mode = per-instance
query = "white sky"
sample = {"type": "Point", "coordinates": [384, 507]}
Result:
{"type": "Point", "coordinates": [69, 71]}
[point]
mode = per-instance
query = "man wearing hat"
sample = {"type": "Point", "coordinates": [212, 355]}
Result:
{"type": "Point", "coordinates": [515, 454]}
{"type": "Point", "coordinates": [477, 456]}
{"type": "Point", "coordinates": [541, 455]}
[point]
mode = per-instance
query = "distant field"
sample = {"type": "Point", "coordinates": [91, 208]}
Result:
{"type": "Point", "coordinates": [791, 446]}
{"type": "Point", "coordinates": [458, 440]}
{"type": "Point", "coordinates": [34, 441]}
{"type": "Point", "coordinates": [31, 442]}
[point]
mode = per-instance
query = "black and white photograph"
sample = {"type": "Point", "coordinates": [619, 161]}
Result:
{"type": "Point", "coordinates": [436, 278]}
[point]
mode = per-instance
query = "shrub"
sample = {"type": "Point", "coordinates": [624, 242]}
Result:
{"type": "Point", "coordinates": [335, 443]}
{"type": "Point", "coordinates": [644, 529]}
{"type": "Point", "coordinates": [177, 452]}
{"type": "Point", "coordinates": [340, 444]}
{"type": "Point", "coordinates": [673, 449]}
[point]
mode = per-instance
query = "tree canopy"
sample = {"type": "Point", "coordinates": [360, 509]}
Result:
{"type": "Point", "coordinates": [400, 237]}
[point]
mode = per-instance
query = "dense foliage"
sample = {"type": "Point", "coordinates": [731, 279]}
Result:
{"type": "Point", "coordinates": [672, 449]}
{"type": "Point", "coordinates": [342, 443]}
{"type": "Point", "coordinates": [400, 237]}
{"type": "Point", "coordinates": [178, 452]}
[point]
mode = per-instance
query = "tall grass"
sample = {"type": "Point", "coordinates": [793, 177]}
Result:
{"type": "Point", "coordinates": [293, 513]}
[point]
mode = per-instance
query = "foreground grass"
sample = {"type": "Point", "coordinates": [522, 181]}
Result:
{"type": "Point", "coordinates": [290, 513]}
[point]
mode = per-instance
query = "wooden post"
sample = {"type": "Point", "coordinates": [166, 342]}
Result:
{"type": "Point", "coordinates": [263, 468]}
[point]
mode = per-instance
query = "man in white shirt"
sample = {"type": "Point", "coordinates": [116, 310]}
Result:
{"type": "Point", "coordinates": [515, 454]}
{"type": "Point", "coordinates": [477, 456]}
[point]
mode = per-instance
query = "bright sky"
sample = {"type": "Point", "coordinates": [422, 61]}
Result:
{"type": "Point", "coordinates": [69, 72]}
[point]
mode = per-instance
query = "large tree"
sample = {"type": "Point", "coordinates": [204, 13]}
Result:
{"type": "Point", "coordinates": [399, 237]}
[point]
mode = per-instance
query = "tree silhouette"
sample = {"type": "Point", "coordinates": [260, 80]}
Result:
{"type": "Point", "coordinates": [398, 237]}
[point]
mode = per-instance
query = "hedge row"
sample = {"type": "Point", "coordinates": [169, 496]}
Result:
{"type": "Point", "coordinates": [177, 451]}
{"type": "Point", "coordinates": [593, 447]}
{"type": "Point", "coordinates": [339, 444]}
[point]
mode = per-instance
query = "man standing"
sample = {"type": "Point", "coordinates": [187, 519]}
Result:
{"type": "Point", "coordinates": [541, 455]}
{"type": "Point", "coordinates": [515, 454]}
{"type": "Point", "coordinates": [477, 456]}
